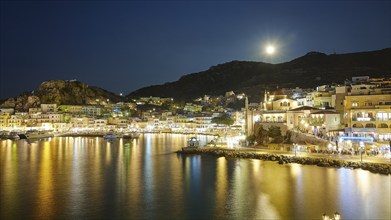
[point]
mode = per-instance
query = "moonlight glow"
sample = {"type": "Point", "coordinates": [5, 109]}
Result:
{"type": "Point", "coordinates": [270, 49]}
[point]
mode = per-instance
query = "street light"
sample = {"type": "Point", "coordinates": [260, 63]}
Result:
{"type": "Point", "coordinates": [362, 146]}
{"type": "Point", "coordinates": [389, 149]}
{"type": "Point", "coordinates": [295, 148]}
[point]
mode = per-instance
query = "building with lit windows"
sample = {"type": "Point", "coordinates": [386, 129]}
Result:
{"type": "Point", "coordinates": [71, 109]}
{"type": "Point", "coordinates": [4, 116]}
{"type": "Point", "coordinates": [190, 107]}
{"type": "Point", "coordinates": [277, 100]}
{"type": "Point", "coordinates": [15, 121]}
{"type": "Point", "coordinates": [48, 107]}
{"type": "Point", "coordinates": [321, 99]}
{"type": "Point", "coordinates": [91, 110]}
{"type": "Point", "coordinates": [368, 112]}
{"type": "Point", "coordinates": [82, 122]}
{"type": "Point", "coordinates": [100, 124]}
{"type": "Point", "coordinates": [272, 118]}
{"type": "Point", "coordinates": [300, 118]}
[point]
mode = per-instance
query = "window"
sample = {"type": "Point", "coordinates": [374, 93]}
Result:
{"type": "Point", "coordinates": [381, 116]}
{"type": "Point", "coordinates": [354, 104]}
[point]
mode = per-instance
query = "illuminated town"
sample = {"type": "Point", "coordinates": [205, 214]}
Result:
{"type": "Point", "coordinates": [352, 113]}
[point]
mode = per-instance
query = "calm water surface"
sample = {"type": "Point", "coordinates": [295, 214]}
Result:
{"type": "Point", "coordinates": [90, 178]}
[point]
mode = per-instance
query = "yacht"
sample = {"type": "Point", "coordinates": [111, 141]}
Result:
{"type": "Point", "coordinates": [111, 135]}
{"type": "Point", "coordinates": [131, 135]}
{"type": "Point", "coordinates": [35, 135]}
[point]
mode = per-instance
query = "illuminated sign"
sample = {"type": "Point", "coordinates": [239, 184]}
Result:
{"type": "Point", "coordinates": [345, 138]}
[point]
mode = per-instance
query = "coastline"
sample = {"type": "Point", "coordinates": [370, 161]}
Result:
{"type": "Point", "coordinates": [379, 168]}
{"type": "Point", "coordinates": [100, 134]}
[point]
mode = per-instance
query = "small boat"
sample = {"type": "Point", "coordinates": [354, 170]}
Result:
{"type": "Point", "coordinates": [111, 136]}
{"type": "Point", "coordinates": [35, 135]}
{"type": "Point", "coordinates": [9, 135]}
{"type": "Point", "coordinates": [193, 142]}
{"type": "Point", "coordinates": [131, 135]}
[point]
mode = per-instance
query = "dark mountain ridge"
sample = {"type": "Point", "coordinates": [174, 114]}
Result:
{"type": "Point", "coordinates": [252, 78]}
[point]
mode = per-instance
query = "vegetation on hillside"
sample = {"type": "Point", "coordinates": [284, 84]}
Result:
{"type": "Point", "coordinates": [223, 120]}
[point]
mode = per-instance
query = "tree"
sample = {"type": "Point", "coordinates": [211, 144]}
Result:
{"type": "Point", "coordinates": [261, 136]}
{"type": "Point", "coordinates": [224, 119]}
{"type": "Point", "coordinates": [275, 133]}
{"type": "Point", "coordinates": [206, 108]}
{"type": "Point", "coordinates": [251, 138]}
{"type": "Point", "coordinates": [237, 105]}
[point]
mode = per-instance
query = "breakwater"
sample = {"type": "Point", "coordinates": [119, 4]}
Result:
{"type": "Point", "coordinates": [380, 168]}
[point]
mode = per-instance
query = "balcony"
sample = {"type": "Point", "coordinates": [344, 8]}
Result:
{"type": "Point", "coordinates": [363, 119]}
{"type": "Point", "coordinates": [384, 105]}
{"type": "Point", "coordinates": [383, 119]}
{"type": "Point", "coordinates": [316, 123]}
{"type": "Point", "coordinates": [363, 129]}
{"type": "Point", "coordinates": [270, 121]}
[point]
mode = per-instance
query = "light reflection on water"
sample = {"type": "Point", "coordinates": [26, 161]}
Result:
{"type": "Point", "coordinates": [74, 177]}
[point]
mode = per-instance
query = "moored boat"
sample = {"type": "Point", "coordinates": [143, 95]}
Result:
{"type": "Point", "coordinates": [193, 142]}
{"type": "Point", "coordinates": [9, 135]}
{"type": "Point", "coordinates": [111, 135]}
{"type": "Point", "coordinates": [35, 135]}
{"type": "Point", "coordinates": [131, 135]}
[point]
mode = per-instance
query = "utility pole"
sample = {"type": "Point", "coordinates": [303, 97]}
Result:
{"type": "Point", "coordinates": [246, 116]}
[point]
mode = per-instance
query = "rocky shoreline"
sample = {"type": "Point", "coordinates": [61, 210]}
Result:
{"type": "Point", "coordinates": [380, 168]}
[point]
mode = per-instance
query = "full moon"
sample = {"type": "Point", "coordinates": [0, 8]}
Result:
{"type": "Point", "coordinates": [270, 49]}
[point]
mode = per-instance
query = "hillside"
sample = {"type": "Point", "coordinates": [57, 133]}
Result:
{"type": "Point", "coordinates": [61, 92]}
{"type": "Point", "coordinates": [253, 78]}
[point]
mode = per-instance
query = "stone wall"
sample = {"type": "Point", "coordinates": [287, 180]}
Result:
{"type": "Point", "coordinates": [380, 168]}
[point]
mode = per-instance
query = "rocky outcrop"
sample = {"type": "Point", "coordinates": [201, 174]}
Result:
{"type": "Point", "coordinates": [22, 103]}
{"type": "Point", "coordinates": [384, 169]}
{"type": "Point", "coordinates": [73, 92]}
{"type": "Point", "coordinates": [61, 92]}
{"type": "Point", "coordinates": [302, 138]}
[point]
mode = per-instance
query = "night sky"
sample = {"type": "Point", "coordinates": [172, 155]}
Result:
{"type": "Point", "coordinates": [125, 45]}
